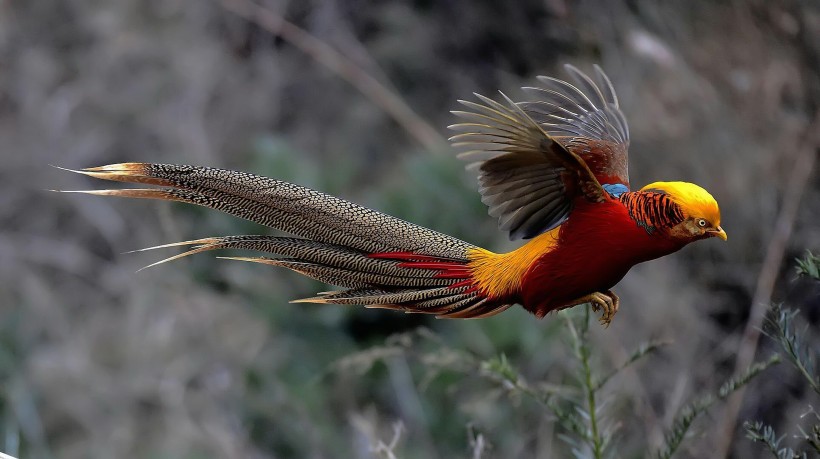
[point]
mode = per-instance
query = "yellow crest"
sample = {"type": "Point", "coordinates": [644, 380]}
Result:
{"type": "Point", "coordinates": [693, 200]}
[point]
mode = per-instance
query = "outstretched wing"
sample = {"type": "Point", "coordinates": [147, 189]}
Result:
{"type": "Point", "coordinates": [586, 119]}
{"type": "Point", "coordinates": [528, 179]}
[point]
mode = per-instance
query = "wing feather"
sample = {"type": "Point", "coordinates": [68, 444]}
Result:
{"type": "Point", "coordinates": [586, 118]}
{"type": "Point", "coordinates": [527, 179]}
{"type": "Point", "coordinates": [536, 157]}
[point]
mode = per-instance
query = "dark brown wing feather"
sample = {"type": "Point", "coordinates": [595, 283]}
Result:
{"type": "Point", "coordinates": [586, 119]}
{"type": "Point", "coordinates": [527, 179]}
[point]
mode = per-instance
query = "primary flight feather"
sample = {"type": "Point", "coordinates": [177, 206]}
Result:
{"type": "Point", "coordinates": [552, 169]}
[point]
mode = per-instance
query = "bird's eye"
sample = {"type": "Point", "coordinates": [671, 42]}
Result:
{"type": "Point", "coordinates": [701, 223]}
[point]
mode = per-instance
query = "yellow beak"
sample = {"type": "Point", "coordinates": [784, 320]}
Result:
{"type": "Point", "coordinates": [718, 232]}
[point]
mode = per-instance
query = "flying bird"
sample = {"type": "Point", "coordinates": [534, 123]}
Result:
{"type": "Point", "coordinates": [552, 170]}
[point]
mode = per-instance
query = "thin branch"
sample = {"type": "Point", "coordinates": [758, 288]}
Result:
{"type": "Point", "coordinates": [388, 450]}
{"type": "Point", "coordinates": [478, 444]}
{"type": "Point", "coordinates": [582, 351]}
{"type": "Point", "coordinates": [642, 350]}
{"type": "Point", "coordinates": [342, 66]}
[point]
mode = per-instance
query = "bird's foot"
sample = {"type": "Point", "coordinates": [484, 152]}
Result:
{"type": "Point", "coordinates": [607, 302]}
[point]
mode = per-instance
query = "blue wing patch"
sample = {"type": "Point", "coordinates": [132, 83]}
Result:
{"type": "Point", "coordinates": [615, 190]}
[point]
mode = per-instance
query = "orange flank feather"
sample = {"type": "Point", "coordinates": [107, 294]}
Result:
{"type": "Point", "coordinates": [500, 275]}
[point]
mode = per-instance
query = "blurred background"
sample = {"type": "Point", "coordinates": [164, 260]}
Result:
{"type": "Point", "coordinates": [205, 358]}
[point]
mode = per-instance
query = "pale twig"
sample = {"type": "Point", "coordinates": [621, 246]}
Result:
{"type": "Point", "coordinates": [387, 450]}
{"type": "Point", "coordinates": [798, 179]}
{"type": "Point", "coordinates": [478, 443]}
{"type": "Point", "coordinates": [342, 66]}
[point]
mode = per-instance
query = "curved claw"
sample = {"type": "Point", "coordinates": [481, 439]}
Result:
{"type": "Point", "coordinates": [616, 302]}
{"type": "Point", "coordinates": [607, 302]}
{"type": "Point", "coordinates": [603, 302]}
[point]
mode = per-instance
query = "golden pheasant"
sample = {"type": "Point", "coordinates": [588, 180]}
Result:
{"type": "Point", "coordinates": [553, 170]}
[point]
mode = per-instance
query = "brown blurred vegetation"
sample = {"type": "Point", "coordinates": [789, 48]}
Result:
{"type": "Point", "coordinates": [205, 358]}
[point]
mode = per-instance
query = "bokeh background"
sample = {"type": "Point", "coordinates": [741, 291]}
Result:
{"type": "Point", "coordinates": [205, 358]}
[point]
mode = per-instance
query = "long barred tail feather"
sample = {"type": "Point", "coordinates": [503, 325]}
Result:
{"type": "Point", "coordinates": [346, 277]}
{"type": "Point", "coordinates": [302, 249]}
{"type": "Point", "coordinates": [380, 261]}
{"type": "Point", "coordinates": [281, 205]}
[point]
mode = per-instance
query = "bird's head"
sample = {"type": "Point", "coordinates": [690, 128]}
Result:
{"type": "Point", "coordinates": [700, 210]}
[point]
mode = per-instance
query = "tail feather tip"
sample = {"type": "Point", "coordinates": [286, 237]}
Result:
{"type": "Point", "coordinates": [118, 167]}
{"type": "Point", "coordinates": [314, 299]}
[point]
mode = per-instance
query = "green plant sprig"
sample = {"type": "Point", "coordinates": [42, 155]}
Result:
{"type": "Point", "coordinates": [779, 326]}
{"type": "Point", "coordinates": [680, 427]}
{"type": "Point", "coordinates": [809, 266]}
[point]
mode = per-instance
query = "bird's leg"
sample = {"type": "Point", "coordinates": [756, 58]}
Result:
{"type": "Point", "coordinates": [608, 302]}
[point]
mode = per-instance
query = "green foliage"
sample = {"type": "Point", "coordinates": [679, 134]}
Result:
{"type": "Point", "coordinates": [809, 266]}
{"type": "Point", "coordinates": [765, 434]}
{"type": "Point", "coordinates": [780, 327]}
{"type": "Point", "coordinates": [682, 423]}
{"type": "Point", "coordinates": [598, 439]}
{"type": "Point", "coordinates": [576, 408]}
